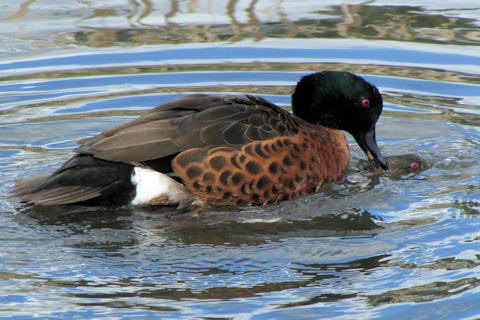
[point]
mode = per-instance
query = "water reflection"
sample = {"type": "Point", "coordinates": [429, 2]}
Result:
{"type": "Point", "coordinates": [236, 21]}
{"type": "Point", "coordinates": [22, 11]}
{"type": "Point", "coordinates": [250, 226]}
{"type": "Point", "coordinates": [425, 293]}
{"type": "Point", "coordinates": [311, 275]}
{"type": "Point", "coordinates": [126, 23]}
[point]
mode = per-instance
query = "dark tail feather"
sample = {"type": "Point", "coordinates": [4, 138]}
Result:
{"type": "Point", "coordinates": [81, 180]}
{"type": "Point", "coordinates": [26, 186]}
{"type": "Point", "coordinates": [31, 191]}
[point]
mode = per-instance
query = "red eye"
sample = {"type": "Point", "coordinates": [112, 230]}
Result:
{"type": "Point", "coordinates": [414, 165]}
{"type": "Point", "coordinates": [366, 103]}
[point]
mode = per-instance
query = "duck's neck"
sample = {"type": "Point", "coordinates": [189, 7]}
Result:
{"type": "Point", "coordinates": [330, 145]}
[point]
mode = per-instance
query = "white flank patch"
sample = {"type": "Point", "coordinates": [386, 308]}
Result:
{"type": "Point", "coordinates": [152, 186]}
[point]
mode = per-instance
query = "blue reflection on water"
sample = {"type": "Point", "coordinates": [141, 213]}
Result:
{"type": "Point", "coordinates": [209, 78]}
{"type": "Point", "coordinates": [431, 87]}
{"type": "Point", "coordinates": [130, 102]}
{"type": "Point", "coordinates": [37, 96]}
{"type": "Point", "coordinates": [274, 78]}
{"type": "Point", "coordinates": [160, 79]}
{"type": "Point", "coordinates": [229, 53]}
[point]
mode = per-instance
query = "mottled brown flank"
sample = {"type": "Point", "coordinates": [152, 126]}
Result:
{"type": "Point", "coordinates": [208, 177]}
{"type": "Point", "coordinates": [273, 167]}
{"type": "Point", "coordinates": [194, 171]}
{"type": "Point", "coordinates": [224, 177]}
{"type": "Point", "coordinates": [287, 161]}
{"type": "Point", "coordinates": [218, 162]}
{"type": "Point", "coordinates": [259, 151]}
{"type": "Point", "coordinates": [237, 178]}
{"type": "Point", "coordinates": [265, 171]}
{"type": "Point", "coordinates": [234, 161]}
{"type": "Point", "coordinates": [194, 155]}
{"type": "Point", "coordinates": [253, 167]}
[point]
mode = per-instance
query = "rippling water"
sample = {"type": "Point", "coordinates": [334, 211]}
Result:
{"type": "Point", "coordinates": [368, 247]}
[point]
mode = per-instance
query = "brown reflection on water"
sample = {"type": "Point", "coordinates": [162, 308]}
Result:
{"type": "Point", "coordinates": [141, 22]}
{"type": "Point", "coordinates": [371, 69]}
{"type": "Point", "coordinates": [362, 21]}
{"type": "Point", "coordinates": [24, 7]}
{"type": "Point", "coordinates": [311, 275]}
{"type": "Point", "coordinates": [424, 293]}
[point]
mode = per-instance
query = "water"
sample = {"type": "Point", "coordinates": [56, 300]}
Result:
{"type": "Point", "coordinates": [369, 247]}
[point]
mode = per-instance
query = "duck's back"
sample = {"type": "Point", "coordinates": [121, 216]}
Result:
{"type": "Point", "coordinates": [190, 122]}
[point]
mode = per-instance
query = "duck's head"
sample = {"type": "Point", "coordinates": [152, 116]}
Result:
{"type": "Point", "coordinates": [344, 101]}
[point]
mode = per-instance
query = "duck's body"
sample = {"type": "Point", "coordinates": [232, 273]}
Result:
{"type": "Point", "coordinates": [216, 150]}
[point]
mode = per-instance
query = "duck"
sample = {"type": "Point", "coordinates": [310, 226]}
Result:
{"type": "Point", "coordinates": [221, 150]}
{"type": "Point", "coordinates": [401, 165]}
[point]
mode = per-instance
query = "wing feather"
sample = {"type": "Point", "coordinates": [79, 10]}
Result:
{"type": "Point", "coordinates": [63, 195]}
{"type": "Point", "coordinates": [193, 121]}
